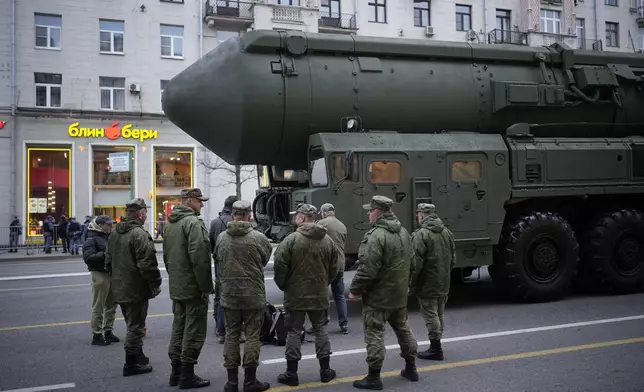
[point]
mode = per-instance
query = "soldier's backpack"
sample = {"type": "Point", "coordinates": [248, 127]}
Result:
{"type": "Point", "coordinates": [274, 328]}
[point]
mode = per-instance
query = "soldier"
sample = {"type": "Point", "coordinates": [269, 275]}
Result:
{"type": "Point", "coordinates": [382, 280]}
{"type": "Point", "coordinates": [132, 262]}
{"type": "Point", "coordinates": [435, 252]}
{"type": "Point", "coordinates": [306, 262]}
{"type": "Point", "coordinates": [186, 254]}
{"type": "Point", "coordinates": [242, 254]}
{"type": "Point", "coordinates": [338, 233]}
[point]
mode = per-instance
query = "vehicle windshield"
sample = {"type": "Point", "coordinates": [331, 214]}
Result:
{"type": "Point", "coordinates": [283, 176]}
{"type": "Point", "coordinates": [317, 168]}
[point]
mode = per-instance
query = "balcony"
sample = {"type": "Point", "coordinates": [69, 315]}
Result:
{"type": "Point", "coordinates": [337, 23]}
{"type": "Point", "coordinates": [639, 18]}
{"type": "Point", "coordinates": [286, 17]}
{"type": "Point", "coordinates": [228, 13]}
{"type": "Point", "coordinates": [588, 44]}
{"type": "Point", "coordinates": [498, 36]}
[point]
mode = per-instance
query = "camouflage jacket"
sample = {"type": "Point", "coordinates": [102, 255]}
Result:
{"type": "Point", "coordinates": [435, 253]}
{"type": "Point", "coordinates": [386, 264]}
{"type": "Point", "coordinates": [186, 254]}
{"type": "Point", "coordinates": [242, 254]}
{"type": "Point", "coordinates": [132, 260]}
{"type": "Point", "coordinates": [338, 233]}
{"type": "Point", "coordinates": [306, 262]}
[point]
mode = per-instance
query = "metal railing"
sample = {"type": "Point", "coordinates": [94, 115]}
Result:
{"type": "Point", "coordinates": [498, 36]}
{"type": "Point", "coordinates": [33, 239]}
{"type": "Point", "coordinates": [229, 9]}
{"type": "Point", "coordinates": [338, 21]}
{"type": "Point", "coordinates": [589, 44]}
{"type": "Point", "coordinates": [287, 13]}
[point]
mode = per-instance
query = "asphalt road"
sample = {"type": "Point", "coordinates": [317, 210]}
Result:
{"type": "Point", "coordinates": [582, 343]}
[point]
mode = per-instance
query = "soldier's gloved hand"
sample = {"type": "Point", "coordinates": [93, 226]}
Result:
{"type": "Point", "coordinates": [155, 292]}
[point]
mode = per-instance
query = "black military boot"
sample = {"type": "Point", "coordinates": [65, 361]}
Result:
{"type": "Point", "coordinates": [372, 381]}
{"type": "Point", "coordinates": [251, 383]}
{"type": "Point", "coordinates": [109, 336]}
{"type": "Point", "coordinates": [326, 373]}
{"type": "Point", "coordinates": [189, 380]}
{"type": "Point", "coordinates": [132, 366]}
{"type": "Point", "coordinates": [143, 360]}
{"type": "Point", "coordinates": [233, 384]}
{"type": "Point", "coordinates": [410, 372]}
{"type": "Point", "coordinates": [99, 340]}
{"type": "Point", "coordinates": [435, 351]}
{"type": "Point", "coordinates": [175, 373]}
{"type": "Point", "coordinates": [290, 377]}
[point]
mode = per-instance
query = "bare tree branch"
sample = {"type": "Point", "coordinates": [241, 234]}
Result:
{"type": "Point", "coordinates": [230, 174]}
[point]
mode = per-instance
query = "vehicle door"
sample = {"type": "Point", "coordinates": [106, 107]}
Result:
{"type": "Point", "coordinates": [466, 191]}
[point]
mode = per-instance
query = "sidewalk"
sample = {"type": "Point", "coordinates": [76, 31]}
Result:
{"type": "Point", "coordinates": [39, 255]}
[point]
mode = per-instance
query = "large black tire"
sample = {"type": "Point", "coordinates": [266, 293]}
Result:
{"type": "Point", "coordinates": [612, 253]}
{"type": "Point", "coordinates": [536, 258]}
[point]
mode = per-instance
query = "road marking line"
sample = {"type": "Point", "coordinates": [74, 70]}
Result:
{"type": "Point", "coordinates": [473, 362]}
{"type": "Point", "coordinates": [478, 336]}
{"type": "Point", "coordinates": [44, 287]}
{"type": "Point", "coordinates": [43, 388]}
{"type": "Point", "coordinates": [65, 275]}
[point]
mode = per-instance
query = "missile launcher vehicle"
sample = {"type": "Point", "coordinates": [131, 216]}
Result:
{"type": "Point", "coordinates": [533, 156]}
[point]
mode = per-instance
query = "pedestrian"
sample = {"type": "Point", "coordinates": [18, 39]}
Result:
{"type": "Point", "coordinates": [338, 233]}
{"type": "Point", "coordinates": [306, 262]}
{"type": "Point", "coordinates": [132, 262]}
{"type": "Point", "coordinates": [15, 231]}
{"type": "Point", "coordinates": [61, 230]}
{"type": "Point", "coordinates": [435, 252]}
{"type": "Point", "coordinates": [74, 235]}
{"type": "Point", "coordinates": [103, 305]}
{"type": "Point", "coordinates": [382, 280]}
{"type": "Point", "coordinates": [186, 254]}
{"type": "Point", "coordinates": [218, 226]}
{"type": "Point", "coordinates": [242, 253]}
{"type": "Point", "coordinates": [48, 229]}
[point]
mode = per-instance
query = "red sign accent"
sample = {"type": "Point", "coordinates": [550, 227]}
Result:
{"type": "Point", "coordinates": [2, 123]}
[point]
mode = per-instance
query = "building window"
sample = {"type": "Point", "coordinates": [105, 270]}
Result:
{"type": "Point", "coordinates": [49, 174]}
{"type": "Point", "coordinates": [463, 17]}
{"type": "Point", "coordinates": [343, 169]}
{"type": "Point", "coordinates": [612, 34]}
{"type": "Point", "coordinates": [378, 11]}
{"type": "Point", "coordinates": [503, 24]}
{"type": "Point", "coordinates": [111, 35]}
{"type": "Point", "coordinates": [48, 89]}
{"type": "Point", "coordinates": [113, 171]}
{"type": "Point", "coordinates": [611, 2]}
{"type": "Point", "coordinates": [330, 9]}
{"type": "Point", "coordinates": [551, 21]}
{"type": "Point", "coordinates": [172, 1]}
{"type": "Point", "coordinates": [421, 13]}
{"type": "Point", "coordinates": [225, 35]}
{"type": "Point", "coordinates": [172, 172]}
{"type": "Point", "coordinates": [288, 2]}
{"type": "Point", "coordinates": [112, 93]}
{"type": "Point", "coordinates": [466, 171]}
{"type": "Point", "coordinates": [48, 31]}
{"type": "Point", "coordinates": [172, 41]}
{"type": "Point", "coordinates": [381, 172]}
{"type": "Point", "coordinates": [580, 32]}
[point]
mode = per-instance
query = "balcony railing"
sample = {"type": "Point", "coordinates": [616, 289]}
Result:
{"type": "Point", "coordinates": [287, 13]}
{"type": "Point", "coordinates": [639, 18]}
{"type": "Point", "coordinates": [589, 44]}
{"type": "Point", "coordinates": [498, 36]}
{"type": "Point", "coordinates": [229, 9]}
{"type": "Point", "coordinates": [337, 21]}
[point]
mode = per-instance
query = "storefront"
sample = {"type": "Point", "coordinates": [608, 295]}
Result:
{"type": "Point", "coordinates": [77, 167]}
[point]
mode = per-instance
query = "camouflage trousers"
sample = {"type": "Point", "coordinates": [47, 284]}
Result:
{"type": "Point", "coordinates": [252, 320]}
{"type": "Point", "coordinates": [432, 309]}
{"type": "Point", "coordinates": [134, 314]}
{"type": "Point", "coordinates": [188, 330]}
{"type": "Point", "coordinates": [374, 334]}
{"type": "Point", "coordinates": [294, 323]}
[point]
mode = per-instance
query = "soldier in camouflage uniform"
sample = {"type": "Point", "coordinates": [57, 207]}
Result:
{"type": "Point", "coordinates": [131, 261]}
{"type": "Point", "coordinates": [186, 254]}
{"type": "Point", "coordinates": [306, 262]}
{"type": "Point", "coordinates": [382, 280]}
{"type": "Point", "coordinates": [435, 253]}
{"type": "Point", "coordinates": [242, 254]}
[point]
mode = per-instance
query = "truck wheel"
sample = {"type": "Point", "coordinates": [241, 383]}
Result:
{"type": "Point", "coordinates": [613, 252]}
{"type": "Point", "coordinates": [536, 258]}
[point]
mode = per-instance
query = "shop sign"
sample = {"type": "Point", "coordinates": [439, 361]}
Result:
{"type": "Point", "coordinates": [2, 124]}
{"type": "Point", "coordinates": [119, 162]}
{"type": "Point", "coordinates": [37, 205]}
{"type": "Point", "coordinates": [113, 132]}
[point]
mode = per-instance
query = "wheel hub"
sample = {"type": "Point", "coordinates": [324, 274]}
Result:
{"type": "Point", "coordinates": [543, 262]}
{"type": "Point", "coordinates": [628, 255]}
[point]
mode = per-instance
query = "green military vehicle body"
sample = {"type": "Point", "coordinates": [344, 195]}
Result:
{"type": "Point", "coordinates": [534, 157]}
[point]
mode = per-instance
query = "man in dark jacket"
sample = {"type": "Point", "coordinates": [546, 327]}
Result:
{"type": "Point", "coordinates": [218, 226]}
{"type": "Point", "coordinates": [74, 234]}
{"type": "Point", "coordinates": [103, 305]}
{"type": "Point", "coordinates": [61, 230]}
{"type": "Point", "coordinates": [132, 261]}
{"type": "Point", "coordinates": [186, 254]}
{"type": "Point", "coordinates": [306, 262]}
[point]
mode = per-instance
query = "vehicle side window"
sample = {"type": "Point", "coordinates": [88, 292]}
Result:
{"type": "Point", "coordinates": [343, 169]}
{"type": "Point", "coordinates": [383, 172]}
{"type": "Point", "coordinates": [466, 171]}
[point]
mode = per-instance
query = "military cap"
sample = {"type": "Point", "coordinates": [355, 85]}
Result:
{"type": "Point", "coordinates": [326, 207]}
{"type": "Point", "coordinates": [426, 208]}
{"type": "Point", "coordinates": [305, 209]}
{"type": "Point", "coordinates": [230, 200]}
{"type": "Point", "coordinates": [103, 219]}
{"type": "Point", "coordinates": [135, 204]}
{"type": "Point", "coordinates": [194, 193]}
{"type": "Point", "coordinates": [379, 202]}
{"type": "Point", "coordinates": [241, 205]}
